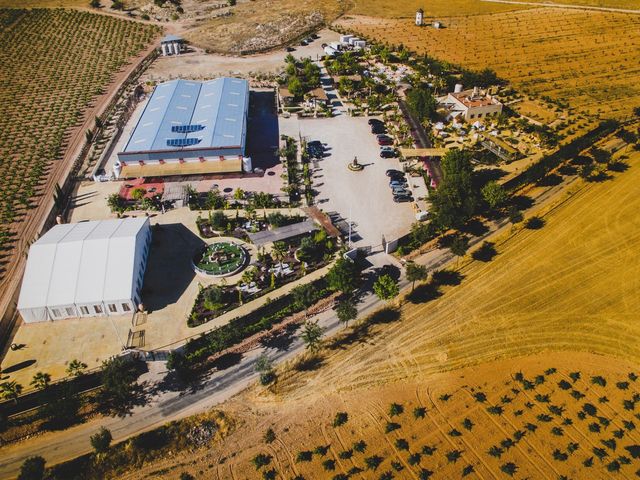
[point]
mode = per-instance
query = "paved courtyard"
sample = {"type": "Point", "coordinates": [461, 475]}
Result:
{"type": "Point", "coordinates": [364, 197]}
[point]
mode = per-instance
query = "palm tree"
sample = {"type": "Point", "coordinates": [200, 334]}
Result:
{"type": "Point", "coordinates": [11, 390]}
{"type": "Point", "coordinates": [415, 273]}
{"type": "Point", "coordinates": [76, 368]}
{"type": "Point", "coordinates": [41, 380]}
{"type": "Point", "coordinates": [279, 252]}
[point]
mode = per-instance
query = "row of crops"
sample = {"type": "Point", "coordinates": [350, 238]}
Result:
{"type": "Point", "coordinates": [54, 62]}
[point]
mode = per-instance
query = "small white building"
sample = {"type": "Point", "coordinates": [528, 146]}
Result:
{"type": "Point", "coordinates": [420, 17]}
{"type": "Point", "coordinates": [344, 39]}
{"type": "Point", "coordinates": [172, 45]}
{"type": "Point", "coordinates": [471, 105]}
{"type": "Point", "coordinates": [86, 269]}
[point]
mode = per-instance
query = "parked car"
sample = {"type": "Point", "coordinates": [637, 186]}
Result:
{"type": "Point", "coordinates": [398, 183]}
{"type": "Point", "coordinates": [378, 128]}
{"type": "Point", "coordinates": [373, 121]}
{"type": "Point", "coordinates": [402, 198]}
{"type": "Point", "coordinates": [388, 153]}
{"type": "Point", "coordinates": [401, 191]}
{"type": "Point", "coordinates": [315, 149]}
{"type": "Point", "coordinates": [289, 49]}
{"type": "Point", "coordinates": [384, 140]}
{"type": "Point", "coordinates": [392, 172]}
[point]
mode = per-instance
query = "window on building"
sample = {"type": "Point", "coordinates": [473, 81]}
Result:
{"type": "Point", "coordinates": [479, 115]}
{"type": "Point", "coordinates": [70, 311]}
{"type": "Point", "coordinates": [113, 308]}
{"type": "Point", "coordinates": [97, 308]}
{"type": "Point", "coordinates": [472, 116]}
{"type": "Point", "coordinates": [126, 307]}
{"type": "Point", "coordinates": [55, 312]}
{"type": "Point", "coordinates": [84, 310]}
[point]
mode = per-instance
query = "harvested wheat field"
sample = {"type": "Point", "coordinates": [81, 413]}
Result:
{"type": "Point", "coordinates": [527, 369]}
{"type": "Point", "coordinates": [588, 59]}
{"type": "Point", "coordinates": [547, 416]}
{"type": "Point", "coordinates": [439, 8]}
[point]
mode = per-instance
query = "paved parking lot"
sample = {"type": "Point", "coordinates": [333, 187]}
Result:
{"type": "Point", "coordinates": [363, 196]}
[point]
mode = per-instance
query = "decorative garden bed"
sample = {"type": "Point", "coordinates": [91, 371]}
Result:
{"type": "Point", "coordinates": [221, 259]}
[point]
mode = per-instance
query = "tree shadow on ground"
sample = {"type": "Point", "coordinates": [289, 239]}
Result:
{"type": "Point", "coordinates": [282, 339]}
{"type": "Point", "coordinates": [618, 167]}
{"type": "Point", "coordinates": [475, 227]}
{"type": "Point", "coordinates": [568, 170]}
{"type": "Point", "coordinates": [534, 223]}
{"type": "Point", "coordinates": [447, 277]}
{"type": "Point", "coordinates": [550, 180]}
{"type": "Point", "coordinates": [581, 160]}
{"type": "Point", "coordinates": [309, 362]}
{"type": "Point", "coordinates": [522, 202]}
{"type": "Point", "coordinates": [485, 253]}
{"type": "Point", "coordinates": [485, 175]}
{"type": "Point", "coordinates": [361, 330]}
{"type": "Point", "coordinates": [424, 293]}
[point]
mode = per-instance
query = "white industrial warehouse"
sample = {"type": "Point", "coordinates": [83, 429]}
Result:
{"type": "Point", "coordinates": [85, 269]}
{"type": "Point", "coordinates": [189, 128]}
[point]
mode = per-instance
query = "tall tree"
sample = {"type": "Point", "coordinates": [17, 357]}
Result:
{"type": "Point", "coordinates": [346, 311]}
{"type": "Point", "coordinates": [76, 368]}
{"type": "Point", "coordinates": [455, 200]}
{"type": "Point", "coordinates": [120, 390]}
{"type": "Point", "coordinates": [41, 380]}
{"type": "Point", "coordinates": [279, 252]}
{"type": "Point", "coordinates": [311, 335]}
{"type": "Point", "coordinates": [385, 287]}
{"type": "Point", "coordinates": [10, 390]}
{"type": "Point", "coordinates": [101, 440]}
{"type": "Point", "coordinates": [494, 194]}
{"type": "Point", "coordinates": [343, 276]}
{"type": "Point", "coordinates": [32, 469]}
{"type": "Point", "coordinates": [459, 245]}
{"type": "Point", "coordinates": [415, 273]}
{"type": "Point", "coordinates": [421, 102]}
{"type": "Point", "coordinates": [304, 295]}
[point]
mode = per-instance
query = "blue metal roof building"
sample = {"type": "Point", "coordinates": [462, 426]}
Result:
{"type": "Point", "coordinates": [187, 119]}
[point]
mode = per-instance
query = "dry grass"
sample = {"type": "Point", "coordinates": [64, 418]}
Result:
{"type": "Point", "coordinates": [263, 24]}
{"type": "Point", "coordinates": [626, 4]}
{"type": "Point", "coordinates": [432, 8]}
{"type": "Point", "coordinates": [581, 57]}
{"type": "Point", "coordinates": [568, 290]}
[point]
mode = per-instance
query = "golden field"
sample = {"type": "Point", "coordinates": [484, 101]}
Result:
{"type": "Point", "coordinates": [558, 304]}
{"type": "Point", "coordinates": [591, 60]}
{"type": "Point", "coordinates": [448, 8]}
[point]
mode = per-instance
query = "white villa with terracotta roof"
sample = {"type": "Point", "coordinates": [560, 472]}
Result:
{"type": "Point", "coordinates": [471, 105]}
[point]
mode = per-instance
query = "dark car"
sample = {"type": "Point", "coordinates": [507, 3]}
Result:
{"type": "Point", "coordinates": [315, 149]}
{"type": "Point", "coordinates": [400, 183]}
{"type": "Point", "coordinates": [375, 121]}
{"type": "Point", "coordinates": [388, 154]}
{"type": "Point", "coordinates": [385, 141]}
{"type": "Point", "coordinates": [289, 49]}
{"type": "Point", "coordinates": [391, 173]}
{"type": "Point", "coordinates": [402, 198]}
{"type": "Point", "coordinates": [378, 128]}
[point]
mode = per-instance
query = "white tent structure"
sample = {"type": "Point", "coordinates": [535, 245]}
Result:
{"type": "Point", "coordinates": [85, 269]}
